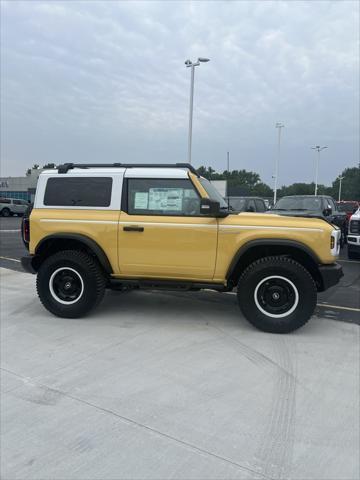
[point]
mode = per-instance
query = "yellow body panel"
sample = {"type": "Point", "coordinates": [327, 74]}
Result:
{"type": "Point", "coordinates": [98, 225]}
{"type": "Point", "coordinates": [172, 247]}
{"type": "Point", "coordinates": [169, 247]}
{"type": "Point", "coordinates": [235, 231]}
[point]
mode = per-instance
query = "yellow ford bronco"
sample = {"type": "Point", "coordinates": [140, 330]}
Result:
{"type": "Point", "coordinates": [118, 226]}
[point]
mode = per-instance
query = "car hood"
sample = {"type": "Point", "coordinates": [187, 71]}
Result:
{"type": "Point", "coordinates": [270, 219]}
{"type": "Point", "coordinates": [298, 213]}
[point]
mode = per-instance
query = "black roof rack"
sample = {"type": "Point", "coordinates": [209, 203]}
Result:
{"type": "Point", "coordinates": [64, 168]}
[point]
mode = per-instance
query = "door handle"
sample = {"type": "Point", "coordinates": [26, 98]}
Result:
{"type": "Point", "coordinates": [133, 228]}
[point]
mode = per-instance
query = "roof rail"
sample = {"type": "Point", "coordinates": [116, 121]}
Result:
{"type": "Point", "coordinates": [64, 168]}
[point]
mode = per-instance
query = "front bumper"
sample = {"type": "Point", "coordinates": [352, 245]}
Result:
{"type": "Point", "coordinates": [353, 242]}
{"type": "Point", "coordinates": [27, 263]}
{"type": "Point", "coordinates": [330, 275]}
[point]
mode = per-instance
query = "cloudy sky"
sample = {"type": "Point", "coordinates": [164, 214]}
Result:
{"type": "Point", "coordinates": [87, 81]}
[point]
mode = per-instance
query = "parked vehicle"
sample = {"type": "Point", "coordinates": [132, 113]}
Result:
{"type": "Point", "coordinates": [94, 227]}
{"type": "Point", "coordinates": [353, 238]}
{"type": "Point", "coordinates": [320, 206]}
{"type": "Point", "coordinates": [347, 206]}
{"type": "Point", "coordinates": [247, 204]}
{"type": "Point", "coordinates": [12, 206]}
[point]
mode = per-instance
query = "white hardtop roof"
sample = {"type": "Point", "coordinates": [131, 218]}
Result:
{"type": "Point", "coordinates": [144, 172]}
{"type": "Point", "coordinates": [141, 172]}
{"type": "Point", "coordinates": [84, 171]}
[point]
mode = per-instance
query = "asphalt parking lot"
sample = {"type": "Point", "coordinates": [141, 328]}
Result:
{"type": "Point", "coordinates": [164, 385]}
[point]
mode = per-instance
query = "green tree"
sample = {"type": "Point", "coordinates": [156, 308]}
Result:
{"type": "Point", "coordinates": [350, 185]}
{"type": "Point", "coordinates": [303, 189]}
{"type": "Point", "coordinates": [239, 182]}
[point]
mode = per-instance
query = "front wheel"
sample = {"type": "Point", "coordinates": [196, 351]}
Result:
{"type": "Point", "coordinates": [70, 283]}
{"type": "Point", "coordinates": [277, 294]}
{"type": "Point", "coordinates": [5, 212]}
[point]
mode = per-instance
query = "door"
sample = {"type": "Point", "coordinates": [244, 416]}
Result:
{"type": "Point", "coordinates": [17, 207]}
{"type": "Point", "coordinates": [20, 206]}
{"type": "Point", "coordinates": [161, 231]}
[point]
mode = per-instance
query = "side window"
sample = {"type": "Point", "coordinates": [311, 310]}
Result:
{"type": "Point", "coordinates": [251, 206]}
{"type": "Point", "coordinates": [5, 200]}
{"type": "Point", "coordinates": [332, 204]}
{"type": "Point", "coordinates": [78, 192]}
{"type": "Point", "coordinates": [260, 205]}
{"type": "Point", "coordinates": [18, 202]}
{"type": "Point", "coordinates": [148, 196]}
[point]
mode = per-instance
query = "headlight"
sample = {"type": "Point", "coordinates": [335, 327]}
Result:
{"type": "Point", "coordinates": [335, 242]}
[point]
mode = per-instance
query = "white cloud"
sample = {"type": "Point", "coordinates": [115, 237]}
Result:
{"type": "Point", "coordinates": [95, 79]}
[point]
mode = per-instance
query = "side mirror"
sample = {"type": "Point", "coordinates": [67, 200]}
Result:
{"type": "Point", "coordinates": [210, 208]}
{"type": "Point", "coordinates": [327, 211]}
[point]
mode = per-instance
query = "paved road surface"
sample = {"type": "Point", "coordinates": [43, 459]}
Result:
{"type": "Point", "coordinates": [159, 387]}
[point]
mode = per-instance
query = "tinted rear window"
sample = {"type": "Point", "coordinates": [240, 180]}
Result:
{"type": "Point", "coordinates": [78, 192]}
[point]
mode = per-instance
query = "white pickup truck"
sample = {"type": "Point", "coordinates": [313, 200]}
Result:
{"type": "Point", "coordinates": [353, 238]}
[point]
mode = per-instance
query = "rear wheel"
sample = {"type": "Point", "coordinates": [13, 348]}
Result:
{"type": "Point", "coordinates": [277, 294]}
{"type": "Point", "coordinates": [70, 283]}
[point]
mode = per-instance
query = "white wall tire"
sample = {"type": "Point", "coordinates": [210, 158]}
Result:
{"type": "Point", "coordinates": [268, 312]}
{"type": "Point", "coordinates": [77, 294]}
{"type": "Point", "coordinates": [291, 278]}
{"type": "Point", "coordinates": [87, 283]}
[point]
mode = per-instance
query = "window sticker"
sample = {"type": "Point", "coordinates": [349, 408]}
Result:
{"type": "Point", "coordinates": [165, 199]}
{"type": "Point", "coordinates": [141, 200]}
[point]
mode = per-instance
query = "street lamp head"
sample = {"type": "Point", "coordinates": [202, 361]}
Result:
{"type": "Point", "coordinates": [202, 59]}
{"type": "Point", "coordinates": [279, 125]}
{"type": "Point", "coordinates": [188, 63]}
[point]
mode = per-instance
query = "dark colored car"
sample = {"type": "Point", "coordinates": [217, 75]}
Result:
{"type": "Point", "coordinates": [313, 206]}
{"type": "Point", "coordinates": [348, 206]}
{"type": "Point", "coordinates": [247, 204]}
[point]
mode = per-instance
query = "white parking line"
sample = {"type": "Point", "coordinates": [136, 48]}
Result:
{"type": "Point", "coordinates": [326, 305]}
{"type": "Point", "coordinates": [8, 231]}
{"type": "Point", "coordinates": [11, 259]}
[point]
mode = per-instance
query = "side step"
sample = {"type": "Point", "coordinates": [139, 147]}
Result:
{"type": "Point", "coordinates": [124, 283]}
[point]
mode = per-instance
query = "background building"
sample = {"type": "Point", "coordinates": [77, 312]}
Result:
{"type": "Point", "coordinates": [20, 187]}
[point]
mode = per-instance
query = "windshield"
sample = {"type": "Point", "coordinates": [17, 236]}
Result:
{"type": "Point", "coordinates": [212, 192]}
{"type": "Point", "coordinates": [298, 203]}
{"type": "Point", "coordinates": [346, 207]}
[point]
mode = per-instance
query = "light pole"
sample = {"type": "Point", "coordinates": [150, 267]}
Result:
{"type": "Point", "coordinates": [192, 65]}
{"type": "Point", "coordinates": [279, 126]}
{"type": "Point", "coordinates": [318, 149]}
{"type": "Point", "coordinates": [340, 180]}
{"type": "Point", "coordinates": [227, 181]}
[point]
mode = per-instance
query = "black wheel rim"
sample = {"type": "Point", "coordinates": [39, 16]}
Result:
{"type": "Point", "coordinates": [66, 285]}
{"type": "Point", "coordinates": [276, 296]}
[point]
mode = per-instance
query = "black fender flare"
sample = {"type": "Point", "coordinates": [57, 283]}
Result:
{"type": "Point", "coordinates": [269, 242]}
{"type": "Point", "coordinates": [87, 241]}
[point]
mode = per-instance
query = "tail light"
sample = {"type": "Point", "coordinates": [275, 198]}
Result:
{"type": "Point", "coordinates": [26, 230]}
